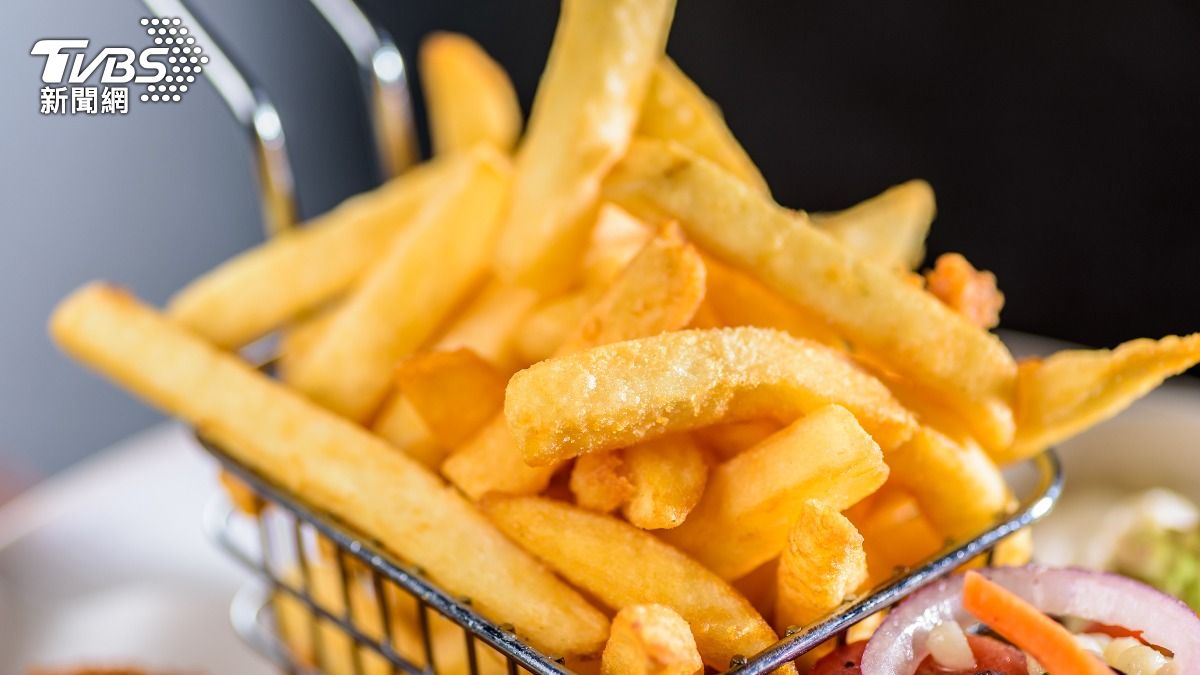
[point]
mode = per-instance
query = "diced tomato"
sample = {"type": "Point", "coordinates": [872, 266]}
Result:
{"type": "Point", "coordinates": [991, 656]}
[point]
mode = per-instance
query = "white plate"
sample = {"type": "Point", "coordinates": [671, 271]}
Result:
{"type": "Point", "coordinates": [106, 564]}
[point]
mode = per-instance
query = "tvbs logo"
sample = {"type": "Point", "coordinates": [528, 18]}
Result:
{"type": "Point", "coordinates": [167, 69]}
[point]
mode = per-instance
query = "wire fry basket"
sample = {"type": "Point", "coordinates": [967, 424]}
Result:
{"type": "Point", "coordinates": [331, 601]}
{"type": "Point", "coordinates": [328, 600]}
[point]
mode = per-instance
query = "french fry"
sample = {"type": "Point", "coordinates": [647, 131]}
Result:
{"type": "Point", "coordinates": [659, 291]}
{"type": "Point", "coordinates": [650, 640]}
{"type": "Point", "coordinates": [621, 565]}
{"type": "Point", "coordinates": [872, 307]}
{"type": "Point", "coordinates": [587, 104]}
{"type": "Point", "coordinates": [487, 324]}
{"type": "Point", "coordinates": [956, 485]}
{"type": "Point", "coordinates": [600, 482]}
{"type": "Point", "coordinates": [455, 392]}
{"type": "Point", "coordinates": [759, 587]}
{"type": "Point", "coordinates": [468, 96]}
{"type": "Point", "coordinates": [619, 394]}
{"type": "Point", "coordinates": [668, 475]}
{"type": "Point", "coordinates": [545, 329]}
{"type": "Point", "coordinates": [297, 341]}
{"type": "Point", "coordinates": [616, 239]}
{"type": "Point", "coordinates": [896, 535]}
{"type": "Point", "coordinates": [262, 289]}
{"type": "Point", "coordinates": [427, 270]}
{"type": "Point", "coordinates": [888, 229]}
{"type": "Point", "coordinates": [753, 499]}
{"type": "Point", "coordinates": [730, 439]}
{"type": "Point", "coordinates": [1072, 390]}
{"type": "Point", "coordinates": [402, 426]}
{"type": "Point", "coordinates": [676, 110]}
{"type": "Point", "coordinates": [739, 300]}
{"type": "Point", "coordinates": [823, 563]}
{"type": "Point", "coordinates": [340, 468]}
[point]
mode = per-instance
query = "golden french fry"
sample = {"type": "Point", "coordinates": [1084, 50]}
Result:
{"type": "Point", "coordinates": [587, 103]}
{"type": "Point", "coordinates": [261, 289]}
{"type": "Point", "coordinates": [659, 291]}
{"type": "Point", "coordinates": [753, 499]}
{"type": "Point", "coordinates": [455, 393]}
{"type": "Point", "coordinates": [650, 640]}
{"type": "Point", "coordinates": [668, 475]}
{"type": "Point", "coordinates": [619, 394]}
{"type": "Point", "coordinates": [600, 482]}
{"type": "Point", "coordinates": [468, 96]}
{"type": "Point", "coordinates": [822, 564]}
{"type": "Point", "coordinates": [402, 426]}
{"type": "Point", "coordinates": [956, 485]}
{"type": "Point", "coordinates": [340, 468]}
{"type": "Point", "coordinates": [297, 341]}
{"type": "Point", "coordinates": [739, 300]}
{"type": "Point", "coordinates": [487, 324]}
{"type": "Point", "coordinates": [872, 307]}
{"type": "Point", "coordinates": [1072, 390]}
{"type": "Point", "coordinates": [676, 110]}
{"type": "Point", "coordinates": [428, 269]}
{"type": "Point", "coordinates": [621, 565]}
{"type": "Point", "coordinates": [888, 229]}
{"type": "Point", "coordinates": [545, 329]}
{"type": "Point", "coordinates": [730, 439]}
{"type": "Point", "coordinates": [616, 239]}
{"type": "Point", "coordinates": [759, 587]}
{"type": "Point", "coordinates": [896, 535]}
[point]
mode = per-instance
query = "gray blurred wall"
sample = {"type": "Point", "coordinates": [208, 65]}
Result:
{"type": "Point", "coordinates": [148, 200]}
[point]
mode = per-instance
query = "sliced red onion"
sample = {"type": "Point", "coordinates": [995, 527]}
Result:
{"type": "Point", "coordinates": [898, 647]}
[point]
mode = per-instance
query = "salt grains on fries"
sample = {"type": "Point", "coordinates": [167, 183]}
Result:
{"type": "Point", "coordinates": [337, 466]}
{"type": "Point", "coordinates": [616, 395]}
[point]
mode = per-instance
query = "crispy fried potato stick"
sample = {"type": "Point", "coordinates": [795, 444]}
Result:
{"type": "Point", "coordinates": [879, 312]}
{"type": "Point", "coordinates": [822, 564]}
{"type": "Point", "coordinates": [650, 640]}
{"type": "Point", "coordinates": [730, 439]}
{"type": "Point", "coordinates": [401, 425]}
{"type": "Point", "coordinates": [616, 239]}
{"type": "Point", "coordinates": [487, 324]}
{"type": "Point", "coordinates": [338, 467]}
{"type": "Point", "coordinates": [1072, 390]}
{"type": "Point", "coordinates": [753, 499]}
{"type": "Point", "coordinates": [600, 481]}
{"type": "Point", "coordinates": [739, 300]}
{"type": "Point", "coordinates": [455, 393]}
{"type": "Point", "coordinates": [621, 566]}
{"type": "Point", "coordinates": [659, 291]}
{"type": "Point", "coordinates": [888, 229]}
{"type": "Point", "coordinates": [668, 476]}
{"type": "Point", "coordinates": [968, 291]}
{"type": "Point", "coordinates": [427, 270]}
{"type": "Point", "coordinates": [468, 96]}
{"type": "Point", "coordinates": [620, 394]}
{"type": "Point", "coordinates": [896, 535]}
{"type": "Point", "coordinates": [259, 290]}
{"type": "Point", "coordinates": [587, 103]}
{"type": "Point", "coordinates": [676, 110]}
{"type": "Point", "coordinates": [545, 329]}
{"type": "Point", "coordinates": [960, 491]}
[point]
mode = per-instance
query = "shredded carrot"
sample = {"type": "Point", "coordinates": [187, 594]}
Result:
{"type": "Point", "coordinates": [1026, 627]}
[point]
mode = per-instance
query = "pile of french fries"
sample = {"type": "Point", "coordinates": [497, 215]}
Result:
{"type": "Point", "coordinates": [594, 378]}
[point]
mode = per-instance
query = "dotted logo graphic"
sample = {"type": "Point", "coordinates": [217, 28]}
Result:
{"type": "Point", "coordinates": [184, 62]}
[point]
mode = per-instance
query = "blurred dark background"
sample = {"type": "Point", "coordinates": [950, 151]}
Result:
{"type": "Point", "coordinates": [1062, 139]}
